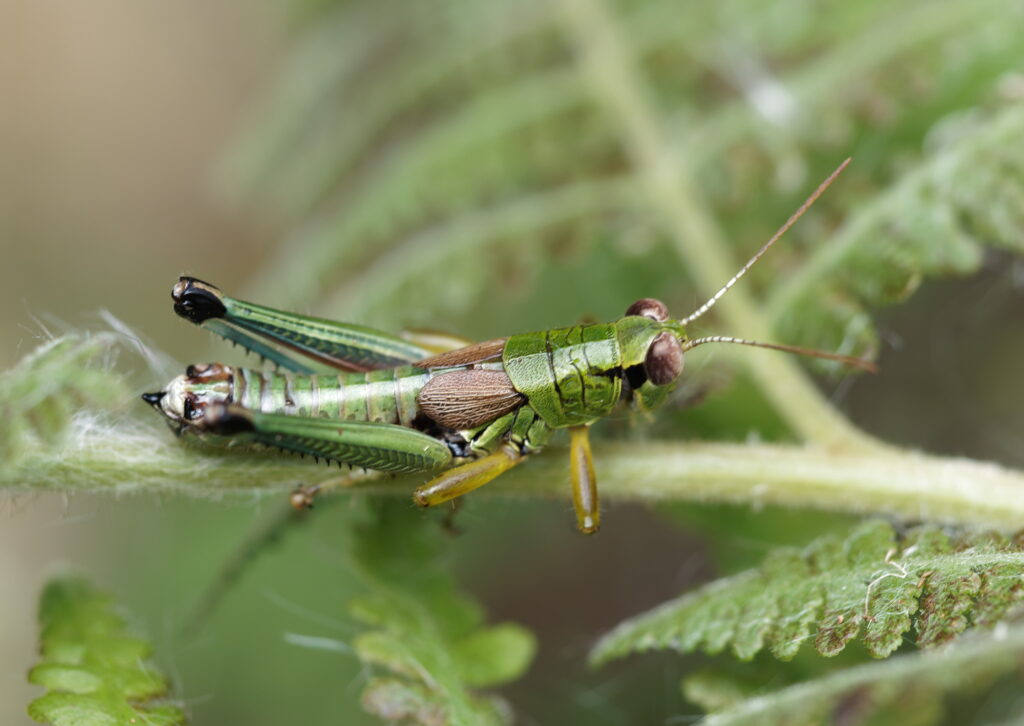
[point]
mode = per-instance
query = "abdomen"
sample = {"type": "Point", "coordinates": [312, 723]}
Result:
{"type": "Point", "coordinates": [387, 396]}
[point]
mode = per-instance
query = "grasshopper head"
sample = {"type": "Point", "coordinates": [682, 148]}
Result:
{"type": "Point", "coordinates": [653, 345]}
{"type": "Point", "coordinates": [652, 352]}
{"type": "Point", "coordinates": [185, 400]}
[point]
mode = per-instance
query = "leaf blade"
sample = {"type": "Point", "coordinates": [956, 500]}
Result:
{"type": "Point", "coordinates": [95, 672]}
{"type": "Point", "coordinates": [870, 586]}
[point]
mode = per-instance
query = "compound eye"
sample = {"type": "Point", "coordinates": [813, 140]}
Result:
{"type": "Point", "coordinates": [664, 361]}
{"type": "Point", "coordinates": [649, 308]}
{"type": "Point", "coordinates": [189, 409]}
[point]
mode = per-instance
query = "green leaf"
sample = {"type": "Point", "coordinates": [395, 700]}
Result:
{"type": "Point", "coordinates": [96, 673]}
{"type": "Point", "coordinates": [715, 690]}
{"type": "Point", "coordinates": [935, 220]}
{"type": "Point", "coordinates": [907, 690]}
{"type": "Point", "coordinates": [494, 656]}
{"type": "Point", "coordinates": [874, 585]}
{"type": "Point", "coordinates": [404, 702]}
{"type": "Point", "coordinates": [430, 637]}
{"type": "Point", "coordinates": [39, 395]}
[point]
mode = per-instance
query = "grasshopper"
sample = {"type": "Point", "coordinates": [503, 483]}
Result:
{"type": "Point", "coordinates": [421, 403]}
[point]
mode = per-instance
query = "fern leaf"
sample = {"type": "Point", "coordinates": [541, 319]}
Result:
{"type": "Point", "coordinates": [39, 395]}
{"type": "Point", "coordinates": [450, 252]}
{"type": "Point", "coordinates": [95, 673]}
{"type": "Point", "coordinates": [460, 118]}
{"type": "Point", "coordinates": [935, 221]}
{"type": "Point", "coordinates": [907, 689]}
{"type": "Point", "coordinates": [424, 632]}
{"type": "Point", "coordinates": [473, 107]}
{"type": "Point", "coordinates": [327, 112]}
{"type": "Point", "coordinates": [413, 187]}
{"type": "Point", "coordinates": [873, 585]}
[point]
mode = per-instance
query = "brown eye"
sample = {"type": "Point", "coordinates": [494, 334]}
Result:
{"type": "Point", "coordinates": [649, 308]}
{"type": "Point", "coordinates": [664, 361]}
{"type": "Point", "coordinates": [191, 412]}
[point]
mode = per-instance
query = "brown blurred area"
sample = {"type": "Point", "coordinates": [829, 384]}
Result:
{"type": "Point", "coordinates": [112, 116]}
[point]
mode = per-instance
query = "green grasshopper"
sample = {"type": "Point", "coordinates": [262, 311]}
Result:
{"type": "Point", "coordinates": [421, 403]}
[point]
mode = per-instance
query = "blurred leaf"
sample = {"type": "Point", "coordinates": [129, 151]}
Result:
{"type": "Point", "coordinates": [408, 157]}
{"type": "Point", "coordinates": [935, 220]}
{"type": "Point", "coordinates": [714, 690]}
{"type": "Point", "coordinates": [907, 690]}
{"type": "Point", "coordinates": [94, 671]}
{"type": "Point", "coordinates": [424, 631]}
{"type": "Point", "coordinates": [39, 395]}
{"type": "Point", "coordinates": [873, 585]}
{"type": "Point", "coordinates": [494, 656]}
{"type": "Point", "coordinates": [741, 536]}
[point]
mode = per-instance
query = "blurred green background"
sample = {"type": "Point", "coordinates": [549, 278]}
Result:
{"type": "Point", "coordinates": [116, 120]}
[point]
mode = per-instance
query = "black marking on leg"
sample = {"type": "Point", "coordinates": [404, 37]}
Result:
{"type": "Point", "coordinates": [197, 301]}
{"type": "Point", "coordinates": [459, 447]}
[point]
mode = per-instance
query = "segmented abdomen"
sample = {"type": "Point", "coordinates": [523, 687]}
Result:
{"type": "Point", "coordinates": [387, 396]}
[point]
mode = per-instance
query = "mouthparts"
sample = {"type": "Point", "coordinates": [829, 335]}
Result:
{"type": "Point", "coordinates": [153, 399]}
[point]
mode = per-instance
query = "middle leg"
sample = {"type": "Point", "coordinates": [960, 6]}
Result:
{"type": "Point", "coordinates": [500, 445]}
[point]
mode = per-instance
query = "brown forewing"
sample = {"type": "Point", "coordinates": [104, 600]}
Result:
{"type": "Point", "coordinates": [466, 399]}
{"type": "Point", "coordinates": [489, 350]}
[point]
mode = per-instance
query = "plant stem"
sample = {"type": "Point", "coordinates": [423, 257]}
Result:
{"type": "Point", "coordinates": [911, 486]}
{"type": "Point", "coordinates": [698, 240]}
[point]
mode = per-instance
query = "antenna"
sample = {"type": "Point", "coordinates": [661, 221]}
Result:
{"type": "Point", "coordinates": [864, 365]}
{"type": "Point", "coordinates": [760, 253]}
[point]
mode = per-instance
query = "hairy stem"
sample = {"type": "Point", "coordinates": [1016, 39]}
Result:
{"type": "Point", "coordinates": [698, 240]}
{"type": "Point", "coordinates": [134, 457]}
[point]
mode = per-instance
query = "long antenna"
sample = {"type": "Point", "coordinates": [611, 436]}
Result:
{"type": "Point", "coordinates": [864, 365]}
{"type": "Point", "coordinates": [760, 253]}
